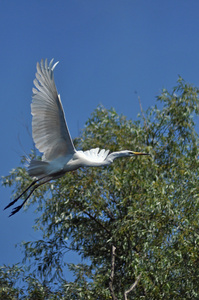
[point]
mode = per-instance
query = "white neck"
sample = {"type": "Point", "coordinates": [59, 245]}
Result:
{"type": "Point", "coordinates": [114, 155]}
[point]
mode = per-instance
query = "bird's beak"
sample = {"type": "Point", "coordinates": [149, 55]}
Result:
{"type": "Point", "coordinates": [140, 153]}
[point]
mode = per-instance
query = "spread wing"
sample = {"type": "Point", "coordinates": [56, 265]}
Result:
{"type": "Point", "coordinates": [49, 128]}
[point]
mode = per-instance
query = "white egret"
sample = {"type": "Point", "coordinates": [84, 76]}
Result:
{"type": "Point", "coordinates": [52, 138]}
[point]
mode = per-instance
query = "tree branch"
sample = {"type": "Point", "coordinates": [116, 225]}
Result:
{"type": "Point", "coordinates": [96, 220]}
{"type": "Point", "coordinates": [132, 287]}
{"type": "Point", "coordinates": [112, 273]}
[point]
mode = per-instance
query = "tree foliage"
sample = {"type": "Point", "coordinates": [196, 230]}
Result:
{"type": "Point", "coordinates": [135, 224]}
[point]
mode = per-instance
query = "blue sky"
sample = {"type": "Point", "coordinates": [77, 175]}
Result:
{"type": "Point", "coordinates": [107, 50]}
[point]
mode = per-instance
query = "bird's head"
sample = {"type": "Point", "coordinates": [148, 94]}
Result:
{"type": "Point", "coordinates": [123, 153]}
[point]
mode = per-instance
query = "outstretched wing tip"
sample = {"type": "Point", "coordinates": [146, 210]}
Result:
{"type": "Point", "coordinates": [44, 63]}
{"type": "Point", "coordinates": [55, 64]}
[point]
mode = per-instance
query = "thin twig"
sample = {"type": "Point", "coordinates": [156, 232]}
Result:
{"type": "Point", "coordinates": [112, 273]}
{"type": "Point", "coordinates": [132, 287]}
{"type": "Point", "coordinates": [142, 112]}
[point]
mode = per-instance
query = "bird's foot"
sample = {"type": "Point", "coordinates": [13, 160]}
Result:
{"type": "Point", "coordinates": [11, 203]}
{"type": "Point", "coordinates": [15, 210]}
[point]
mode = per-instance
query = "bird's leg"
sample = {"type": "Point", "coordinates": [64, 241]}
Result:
{"type": "Point", "coordinates": [15, 200]}
{"type": "Point", "coordinates": [16, 209]}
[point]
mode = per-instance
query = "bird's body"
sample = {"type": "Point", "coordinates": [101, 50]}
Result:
{"type": "Point", "coordinates": [52, 138]}
{"type": "Point", "coordinates": [69, 162]}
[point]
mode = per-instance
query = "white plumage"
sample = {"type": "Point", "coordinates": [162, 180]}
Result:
{"type": "Point", "coordinates": [52, 138]}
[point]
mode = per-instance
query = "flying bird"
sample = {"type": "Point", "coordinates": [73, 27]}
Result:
{"type": "Point", "coordinates": [52, 137]}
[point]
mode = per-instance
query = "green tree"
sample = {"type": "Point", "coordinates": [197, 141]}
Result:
{"type": "Point", "coordinates": [136, 221]}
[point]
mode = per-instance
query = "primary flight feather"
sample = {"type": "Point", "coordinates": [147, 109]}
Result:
{"type": "Point", "coordinates": [52, 137]}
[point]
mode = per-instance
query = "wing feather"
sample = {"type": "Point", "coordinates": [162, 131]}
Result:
{"type": "Point", "coordinates": [96, 155]}
{"type": "Point", "coordinates": [49, 128]}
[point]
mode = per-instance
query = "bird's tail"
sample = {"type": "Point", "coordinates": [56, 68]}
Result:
{"type": "Point", "coordinates": [38, 168]}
